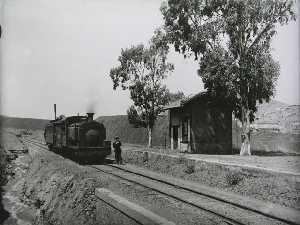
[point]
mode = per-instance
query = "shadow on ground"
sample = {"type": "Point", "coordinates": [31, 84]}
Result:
{"type": "Point", "coordinates": [89, 161]}
{"type": "Point", "coordinates": [267, 153]}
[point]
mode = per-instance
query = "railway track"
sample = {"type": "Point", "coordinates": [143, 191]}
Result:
{"type": "Point", "coordinates": [228, 211]}
{"type": "Point", "coordinates": [35, 142]}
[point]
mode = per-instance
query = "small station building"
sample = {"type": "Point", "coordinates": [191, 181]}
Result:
{"type": "Point", "coordinates": [200, 125]}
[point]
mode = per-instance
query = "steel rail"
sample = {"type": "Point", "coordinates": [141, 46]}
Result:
{"type": "Point", "coordinates": [226, 219]}
{"type": "Point", "coordinates": [209, 195]}
{"type": "Point", "coordinates": [39, 144]}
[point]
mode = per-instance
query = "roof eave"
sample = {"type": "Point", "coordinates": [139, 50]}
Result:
{"type": "Point", "coordinates": [172, 107]}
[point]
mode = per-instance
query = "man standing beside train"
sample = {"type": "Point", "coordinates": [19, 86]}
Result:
{"type": "Point", "coordinates": [118, 152]}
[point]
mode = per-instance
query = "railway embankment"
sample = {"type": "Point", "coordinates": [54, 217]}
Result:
{"type": "Point", "coordinates": [45, 188]}
{"type": "Point", "coordinates": [251, 177]}
{"type": "Point", "coordinates": [48, 189]}
{"type": "Point", "coordinates": [12, 210]}
{"type": "Point", "coordinates": [3, 179]}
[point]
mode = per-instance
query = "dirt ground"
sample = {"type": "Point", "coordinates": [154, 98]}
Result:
{"type": "Point", "coordinates": [288, 164]}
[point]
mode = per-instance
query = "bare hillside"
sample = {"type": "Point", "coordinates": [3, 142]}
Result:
{"type": "Point", "coordinates": [278, 115]}
{"type": "Point", "coordinates": [23, 123]}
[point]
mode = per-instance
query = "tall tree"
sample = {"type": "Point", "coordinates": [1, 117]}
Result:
{"type": "Point", "coordinates": [231, 39]}
{"type": "Point", "coordinates": [142, 70]}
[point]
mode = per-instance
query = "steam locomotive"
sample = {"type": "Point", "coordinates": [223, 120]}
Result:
{"type": "Point", "coordinates": [78, 137]}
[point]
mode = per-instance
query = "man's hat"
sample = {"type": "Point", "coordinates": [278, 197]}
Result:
{"type": "Point", "coordinates": [116, 137]}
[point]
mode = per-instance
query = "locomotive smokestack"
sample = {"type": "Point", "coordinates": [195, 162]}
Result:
{"type": "Point", "coordinates": [90, 116]}
{"type": "Point", "coordinates": [54, 111]}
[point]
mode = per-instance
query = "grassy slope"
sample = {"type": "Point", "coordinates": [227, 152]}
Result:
{"type": "Point", "coordinates": [3, 179]}
{"type": "Point", "coordinates": [3, 162]}
{"type": "Point", "coordinates": [119, 126]}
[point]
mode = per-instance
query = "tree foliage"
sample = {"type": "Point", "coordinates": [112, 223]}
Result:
{"type": "Point", "coordinates": [142, 71]}
{"type": "Point", "coordinates": [231, 39]}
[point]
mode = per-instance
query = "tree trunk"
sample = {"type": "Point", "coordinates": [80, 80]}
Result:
{"type": "Point", "coordinates": [245, 135]}
{"type": "Point", "coordinates": [149, 136]}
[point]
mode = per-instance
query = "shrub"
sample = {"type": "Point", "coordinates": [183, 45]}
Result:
{"type": "Point", "coordinates": [190, 169]}
{"type": "Point", "coordinates": [233, 178]}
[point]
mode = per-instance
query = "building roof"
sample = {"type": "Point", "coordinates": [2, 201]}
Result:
{"type": "Point", "coordinates": [181, 102]}
{"type": "Point", "coordinates": [175, 104]}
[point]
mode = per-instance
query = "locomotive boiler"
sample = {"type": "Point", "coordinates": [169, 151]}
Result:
{"type": "Point", "coordinates": [79, 137]}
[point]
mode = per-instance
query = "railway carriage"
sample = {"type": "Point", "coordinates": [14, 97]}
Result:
{"type": "Point", "coordinates": [77, 136]}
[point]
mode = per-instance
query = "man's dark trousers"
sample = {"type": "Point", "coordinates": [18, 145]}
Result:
{"type": "Point", "coordinates": [118, 156]}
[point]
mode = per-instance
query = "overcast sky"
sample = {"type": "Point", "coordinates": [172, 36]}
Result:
{"type": "Point", "coordinates": [61, 51]}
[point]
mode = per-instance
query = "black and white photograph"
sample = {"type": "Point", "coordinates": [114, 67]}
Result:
{"type": "Point", "coordinates": [149, 112]}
